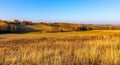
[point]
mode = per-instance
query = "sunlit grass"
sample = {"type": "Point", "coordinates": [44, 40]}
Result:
{"type": "Point", "coordinates": [66, 48]}
{"type": "Point", "coordinates": [62, 34]}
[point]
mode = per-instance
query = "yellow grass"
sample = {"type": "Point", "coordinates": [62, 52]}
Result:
{"type": "Point", "coordinates": [67, 48]}
{"type": "Point", "coordinates": [61, 34]}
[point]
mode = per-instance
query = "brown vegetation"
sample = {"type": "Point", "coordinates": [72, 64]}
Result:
{"type": "Point", "coordinates": [90, 48]}
{"type": "Point", "coordinates": [93, 50]}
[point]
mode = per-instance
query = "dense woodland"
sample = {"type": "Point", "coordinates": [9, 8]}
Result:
{"type": "Point", "coordinates": [17, 26]}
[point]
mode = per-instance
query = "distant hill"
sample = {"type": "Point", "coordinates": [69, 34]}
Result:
{"type": "Point", "coordinates": [17, 26]}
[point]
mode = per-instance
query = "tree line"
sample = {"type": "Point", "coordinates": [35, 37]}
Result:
{"type": "Point", "coordinates": [17, 26]}
{"type": "Point", "coordinates": [13, 26]}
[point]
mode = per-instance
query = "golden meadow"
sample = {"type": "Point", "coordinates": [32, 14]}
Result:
{"type": "Point", "coordinates": [98, 47]}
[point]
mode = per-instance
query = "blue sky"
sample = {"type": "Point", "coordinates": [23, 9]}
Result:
{"type": "Point", "coordinates": [75, 11]}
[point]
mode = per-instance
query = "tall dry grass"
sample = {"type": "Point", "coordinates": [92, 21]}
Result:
{"type": "Point", "coordinates": [93, 50]}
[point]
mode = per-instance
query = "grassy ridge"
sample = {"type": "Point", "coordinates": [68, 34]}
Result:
{"type": "Point", "coordinates": [18, 27]}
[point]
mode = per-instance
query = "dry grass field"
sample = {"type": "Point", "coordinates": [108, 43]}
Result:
{"type": "Point", "coordinates": [64, 48]}
{"type": "Point", "coordinates": [59, 32]}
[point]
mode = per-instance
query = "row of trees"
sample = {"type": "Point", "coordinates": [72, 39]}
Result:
{"type": "Point", "coordinates": [24, 22]}
{"type": "Point", "coordinates": [12, 26]}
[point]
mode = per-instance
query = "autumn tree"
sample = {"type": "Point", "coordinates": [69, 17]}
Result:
{"type": "Point", "coordinates": [3, 26]}
{"type": "Point", "coordinates": [16, 21]}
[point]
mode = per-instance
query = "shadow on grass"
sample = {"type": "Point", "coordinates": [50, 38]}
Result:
{"type": "Point", "coordinates": [28, 30]}
{"type": "Point", "coordinates": [22, 31]}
